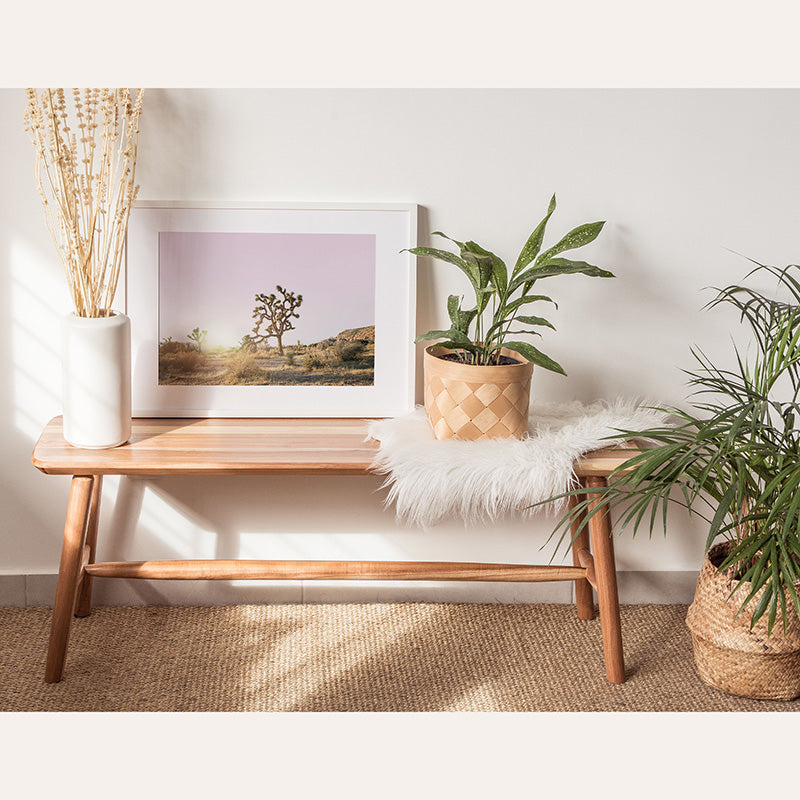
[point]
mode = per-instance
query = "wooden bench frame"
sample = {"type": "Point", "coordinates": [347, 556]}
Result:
{"type": "Point", "coordinates": [160, 447]}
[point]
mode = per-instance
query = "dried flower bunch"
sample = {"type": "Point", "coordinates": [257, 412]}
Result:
{"type": "Point", "coordinates": [85, 164]}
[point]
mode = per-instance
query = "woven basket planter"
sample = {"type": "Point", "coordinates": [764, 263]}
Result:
{"type": "Point", "coordinates": [463, 401]}
{"type": "Point", "coordinates": [731, 657]}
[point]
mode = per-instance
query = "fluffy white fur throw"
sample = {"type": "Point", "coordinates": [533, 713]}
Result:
{"type": "Point", "coordinates": [430, 480]}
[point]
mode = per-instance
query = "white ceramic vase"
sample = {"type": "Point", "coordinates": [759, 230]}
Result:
{"type": "Point", "coordinates": [96, 380]}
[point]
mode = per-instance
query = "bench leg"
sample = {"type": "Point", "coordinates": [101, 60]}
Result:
{"type": "Point", "coordinates": [584, 597]}
{"type": "Point", "coordinates": [607, 597]}
{"type": "Point", "coordinates": [84, 607]}
{"type": "Point", "coordinates": [69, 574]}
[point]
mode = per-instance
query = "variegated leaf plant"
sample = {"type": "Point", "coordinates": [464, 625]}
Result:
{"type": "Point", "coordinates": [500, 296]}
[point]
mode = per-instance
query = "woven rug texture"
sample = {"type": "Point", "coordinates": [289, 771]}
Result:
{"type": "Point", "coordinates": [394, 657]}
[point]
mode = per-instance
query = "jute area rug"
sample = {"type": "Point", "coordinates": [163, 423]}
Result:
{"type": "Point", "coordinates": [356, 657]}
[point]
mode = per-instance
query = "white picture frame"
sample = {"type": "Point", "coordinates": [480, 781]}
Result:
{"type": "Point", "coordinates": [394, 228]}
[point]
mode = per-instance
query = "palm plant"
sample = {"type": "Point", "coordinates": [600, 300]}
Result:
{"type": "Point", "coordinates": [734, 458]}
{"type": "Point", "coordinates": [507, 293]}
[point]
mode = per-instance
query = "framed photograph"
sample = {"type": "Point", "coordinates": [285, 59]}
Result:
{"type": "Point", "coordinates": [271, 311]}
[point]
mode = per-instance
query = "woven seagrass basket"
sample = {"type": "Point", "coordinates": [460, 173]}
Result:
{"type": "Point", "coordinates": [463, 401]}
{"type": "Point", "coordinates": [729, 655]}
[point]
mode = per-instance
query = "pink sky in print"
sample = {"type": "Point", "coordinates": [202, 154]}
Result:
{"type": "Point", "coordinates": [209, 280]}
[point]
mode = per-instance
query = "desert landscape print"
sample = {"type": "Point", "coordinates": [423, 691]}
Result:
{"type": "Point", "coordinates": [261, 309]}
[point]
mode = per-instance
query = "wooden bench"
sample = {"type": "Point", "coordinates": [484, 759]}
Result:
{"type": "Point", "coordinates": [284, 447]}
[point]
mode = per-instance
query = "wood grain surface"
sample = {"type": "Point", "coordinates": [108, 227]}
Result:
{"type": "Point", "coordinates": [241, 447]}
{"type": "Point", "coordinates": [238, 569]}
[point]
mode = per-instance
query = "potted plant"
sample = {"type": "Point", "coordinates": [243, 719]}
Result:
{"type": "Point", "coordinates": [733, 459]}
{"type": "Point", "coordinates": [477, 379]}
{"type": "Point", "coordinates": [85, 147]}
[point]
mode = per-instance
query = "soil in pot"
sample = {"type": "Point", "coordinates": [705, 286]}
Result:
{"type": "Point", "coordinates": [467, 358]}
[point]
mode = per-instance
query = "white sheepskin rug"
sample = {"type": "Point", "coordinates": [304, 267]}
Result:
{"type": "Point", "coordinates": [431, 480]}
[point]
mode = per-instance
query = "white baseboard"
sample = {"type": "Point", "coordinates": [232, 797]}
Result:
{"type": "Point", "coordinates": [634, 588]}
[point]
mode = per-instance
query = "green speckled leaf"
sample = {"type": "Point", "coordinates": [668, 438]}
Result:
{"type": "Point", "coordinates": [460, 245]}
{"type": "Point", "coordinates": [577, 237]}
{"type": "Point", "coordinates": [535, 321]}
{"type": "Point", "coordinates": [534, 243]}
{"type": "Point", "coordinates": [459, 339]}
{"type": "Point", "coordinates": [499, 275]}
{"type": "Point", "coordinates": [460, 318]}
{"type": "Point", "coordinates": [529, 298]}
{"type": "Point", "coordinates": [559, 266]}
{"type": "Point", "coordinates": [482, 263]}
{"type": "Point", "coordinates": [470, 270]}
{"type": "Point", "coordinates": [535, 356]}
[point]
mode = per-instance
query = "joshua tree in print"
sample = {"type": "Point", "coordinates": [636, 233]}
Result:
{"type": "Point", "coordinates": [198, 337]}
{"type": "Point", "coordinates": [275, 314]}
{"type": "Point", "coordinates": [246, 344]}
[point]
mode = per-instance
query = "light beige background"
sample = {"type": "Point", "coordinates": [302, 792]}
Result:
{"type": "Point", "coordinates": [683, 178]}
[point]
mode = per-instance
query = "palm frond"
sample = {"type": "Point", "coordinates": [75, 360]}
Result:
{"type": "Point", "coordinates": [732, 458]}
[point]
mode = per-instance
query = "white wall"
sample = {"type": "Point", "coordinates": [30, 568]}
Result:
{"type": "Point", "coordinates": [683, 177]}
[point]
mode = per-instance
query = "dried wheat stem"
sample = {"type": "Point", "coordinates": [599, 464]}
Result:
{"type": "Point", "coordinates": [85, 167]}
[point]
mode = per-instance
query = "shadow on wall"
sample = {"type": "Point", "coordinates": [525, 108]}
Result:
{"type": "Point", "coordinates": [165, 162]}
{"type": "Point", "coordinates": [178, 517]}
{"type": "Point", "coordinates": [201, 517]}
{"type": "Point", "coordinates": [605, 314]}
{"type": "Point", "coordinates": [29, 396]}
{"type": "Point", "coordinates": [219, 517]}
{"type": "Point", "coordinates": [427, 313]}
